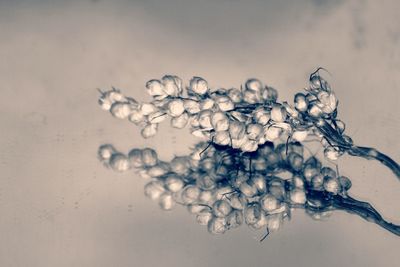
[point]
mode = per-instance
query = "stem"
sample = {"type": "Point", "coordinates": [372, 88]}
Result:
{"type": "Point", "coordinates": [372, 153]}
{"type": "Point", "coordinates": [351, 205]}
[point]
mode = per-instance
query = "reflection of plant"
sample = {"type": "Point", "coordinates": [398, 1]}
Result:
{"type": "Point", "coordinates": [237, 173]}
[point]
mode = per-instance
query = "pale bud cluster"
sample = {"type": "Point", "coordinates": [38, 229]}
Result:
{"type": "Point", "coordinates": [224, 188]}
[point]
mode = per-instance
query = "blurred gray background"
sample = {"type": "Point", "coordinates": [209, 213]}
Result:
{"type": "Point", "coordinates": [60, 207]}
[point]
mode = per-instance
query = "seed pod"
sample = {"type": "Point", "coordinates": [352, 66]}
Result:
{"type": "Point", "coordinates": [217, 225]}
{"type": "Point", "coordinates": [191, 106]}
{"type": "Point", "coordinates": [174, 183]}
{"type": "Point", "coordinates": [172, 85]}
{"type": "Point", "coordinates": [198, 85]}
{"type": "Point", "coordinates": [181, 121]}
{"type": "Point", "coordinates": [149, 157]}
{"type": "Point", "coordinates": [269, 203]}
{"type": "Point", "coordinates": [154, 189]}
{"type": "Point", "coordinates": [166, 201]}
{"type": "Point", "coordinates": [219, 121]}
{"type": "Point", "coordinates": [175, 107]}
{"type": "Point", "coordinates": [221, 208]}
{"type": "Point", "coordinates": [157, 117]}
{"type": "Point", "coordinates": [235, 95]}
{"type": "Point", "coordinates": [234, 219]}
{"type": "Point", "coordinates": [105, 152]}
{"type": "Point", "coordinates": [253, 85]}
{"type": "Point", "coordinates": [224, 103]}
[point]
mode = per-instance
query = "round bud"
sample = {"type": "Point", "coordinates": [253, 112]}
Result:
{"type": "Point", "coordinates": [190, 194]}
{"type": "Point", "coordinates": [147, 108]}
{"type": "Point", "coordinates": [155, 89]}
{"type": "Point", "coordinates": [224, 103]}
{"type": "Point", "coordinates": [315, 111]}
{"type": "Point", "coordinates": [326, 171]}
{"type": "Point", "coordinates": [317, 181]}
{"type": "Point", "coordinates": [300, 102]}
{"type": "Point", "coordinates": [105, 103]}
{"type": "Point", "coordinates": [332, 153]}
{"type": "Point", "coordinates": [180, 165]}
{"type": "Point", "coordinates": [238, 201]}
{"type": "Point", "coordinates": [253, 85]}
{"type": "Point", "coordinates": [158, 170]}
{"type": "Point", "coordinates": [272, 133]}
{"type": "Point", "coordinates": [115, 96]}
{"type": "Point", "coordinates": [157, 117]}
{"type": "Point", "coordinates": [269, 203]}
{"type": "Point", "coordinates": [206, 197]}
{"type": "Point", "coordinates": [195, 208]}
{"type": "Point", "coordinates": [278, 113]}
{"type": "Point", "coordinates": [332, 185]}
{"type": "Point", "coordinates": [270, 94]}
{"type": "Point", "coordinates": [327, 102]}
{"type": "Point", "coordinates": [222, 138]}
{"type": "Point", "coordinates": [204, 217]}
{"type": "Point", "coordinates": [235, 95]}
{"type": "Point", "coordinates": [219, 121]}
{"type": "Point", "coordinates": [136, 117]}
{"type": "Point", "coordinates": [261, 223]}
{"type": "Point", "coordinates": [135, 158]}
{"type": "Point", "coordinates": [154, 189]}
{"type": "Point", "coordinates": [295, 161]}
{"type": "Point", "coordinates": [166, 201]}
{"type": "Point", "coordinates": [105, 152]}
{"type": "Point", "coordinates": [260, 184]}
{"type": "Point", "coordinates": [275, 222]}
{"type": "Point", "coordinates": [249, 146]}
{"type": "Point", "coordinates": [120, 110]}
{"type": "Point", "coordinates": [172, 85]}
{"type": "Point", "coordinates": [252, 213]}
{"type": "Point", "coordinates": [298, 182]}
{"type": "Point", "coordinates": [149, 157]}
{"type": "Point", "coordinates": [207, 103]}
{"type": "Point", "coordinates": [254, 131]}
{"type": "Point", "coordinates": [191, 106]}
{"type": "Point", "coordinates": [205, 118]}
{"type": "Point", "coordinates": [299, 135]}
{"type": "Point", "coordinates": [277, 189]}
{"type": "Point", "coordinates": [251, 97]}
{"type": "Point", "coordinates": [173, 183]}
{"type": "Point", "coordinates": [298, 196]}
{"type": "Point", "coordinates": [119, 162]}
{"type": "Point", "coordinates": [236, 129]}
{"type": "Point", "coordinates": [149, 130]}
{"type": "Point", "coordinates": [217, 225]}
{"type": "Point", "coordinates": [175, 107]}
{"type": "Point", "coordinates": [181, 121]}
{"type": "Point", "coordinates": [247, 189]}
{"type": "Point", "coordinates": [345, 183]}
{"type": "Point", "coordinates": [205, 182]}
{"type": "Point", "coordinates": [234, 219]}
{"type": "Point", "coordinates": [221, 208]}
{"type": "Point", "coordinates": [198, 85]}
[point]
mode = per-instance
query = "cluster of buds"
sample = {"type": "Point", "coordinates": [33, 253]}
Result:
{"type": "Point", "coordinates": [224, 188]}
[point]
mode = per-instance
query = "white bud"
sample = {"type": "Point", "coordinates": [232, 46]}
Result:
{"type": "Point", "coordinates": [275, 222]}
{"type": "Point", "coordinates": [190, 194]}
{"type": "Point", "coordinates": [207, 103]}
{"type": "Point", "coordinates": [217, 225]}
{"type": "Point", "coordinates": [191, 106]}
{"type": "Point", "coordinates": [149, 130]}
{"type": "Point", "coordinates": [249, 146]}
{"type": "Point", "coordinates": [332, 153]}
{"type": "Point", "coordinates": [235, 95]}
{"type": "Point", "coordinates": [157, 117]}
{"type": "Point", "coordinates": [181, 121]}
{"type": "Point", "coordinates": [158, 170]}
{"type": "Point", "coordinates": [205, 118]}
{"type": "Point", "coordinates": [251, 97]}
{"type": "Point", "coordinates": [198, 85]}
{"type": "Point", "coordinates": [166, 201]}
{"type": "Point", "coordinates": [234, 219]}
{"type": "Point", "coordinates": [219, 121]}
{"type": "Point", "coordinates": [272, 133]}
{"type": "Point", "coordinates": [299, 135]}
{"type": "Point", "coordinates": [315, 111]}
{"type": "Point", "coordinates": [204, 217]}
{"type": "Point", "coordinates": [237, 129]}
{"type": "Point", "coordinates": [300, 102]}
{"type": "Point", "coordinates": [327, 102]}
{"type": "Point", "coordinates": [298, 196]}
{"type": "Point", "coordinates": [105, 103]}
{"type": "Point", "coordinates": [119, 162]}
{"type": "Point", "coordinates": [254, 131]}
{"type": "Point", "coordinates": [332, 185]}
{"type": "Point", "coordinates": [175, 107]}
{"type": "Point", "coordinates": [135, 158]}
{"type": "Point", "coordinates": [253, 85]}
{"type": "Point", "coordinates": [222, 138]}
{"type": "Point", "coordinates": [278, 113]}
{"type": "Point", "coordinates": [154, 189]}
{"type": "Point", "coordinates": [269, 203]}
{"type": "Point", "coordinates": [105, 152]}
{"type": "Point", "coordinates": [252, 213]}
{"type": "Point", "coordinates": [247, 189]}
{"type": "Point", "coordinates": [173, 183]}
{"type": "Point", "coordinates": [147, 108]}
{"type": "Point", "coordinates": [149, 157]}
{"type": "Point", "coordinates": [180, 165]}
{"type": "Point", "coordinates": [115, 96]}
{"type": "Point", "coordinates": [155, 89]}
{"type": "Point", "coordinates": [136, 117]}
{"type": "Point", "coordinates": [224, 103]}
{"type": "Point", "coordinates": [172, 85]}
{"type": "Point", "coordinates": [221, 208]}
